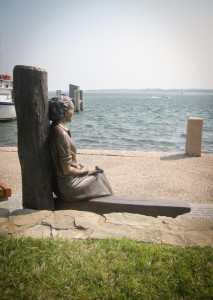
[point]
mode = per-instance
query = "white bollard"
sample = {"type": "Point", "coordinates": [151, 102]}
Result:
{"type": "Point", "coordinates": [194, 136]}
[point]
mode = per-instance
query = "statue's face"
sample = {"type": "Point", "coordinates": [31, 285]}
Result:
{"type": "Point", "coordinates": [69, 114]}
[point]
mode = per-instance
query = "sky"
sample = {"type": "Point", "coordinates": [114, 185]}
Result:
{"type": "Point", "coordinates": [110, 44]}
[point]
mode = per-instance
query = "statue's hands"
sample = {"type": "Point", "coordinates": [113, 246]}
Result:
{"type": "Point", "coordinates": [84, 170]}
{"type": "Point", "coordinates": [80, 166]}
{"type": "Point", "coordinates": [75, 170]}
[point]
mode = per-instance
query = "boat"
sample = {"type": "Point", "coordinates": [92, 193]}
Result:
{"type": "Point", "coordinates": [7, 107]}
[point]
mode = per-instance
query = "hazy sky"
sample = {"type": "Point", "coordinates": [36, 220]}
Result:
{"type": "Point", "coordinates": [110, 43]}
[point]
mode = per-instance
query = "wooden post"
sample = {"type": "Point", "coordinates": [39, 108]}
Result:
{"type": "Point", "coordinates": [194, 136]}
{"type": "Point", "coordinates": [58, 93]}
{"type": "Point", "coordinates": [81, 100]}
{"type": "Point", "coordinates": [77, 100]}
{"type": "Point", "coordinates": [31, 103]}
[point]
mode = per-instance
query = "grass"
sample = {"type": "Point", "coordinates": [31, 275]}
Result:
{"type": "Point", "coordinates": [102, 269]}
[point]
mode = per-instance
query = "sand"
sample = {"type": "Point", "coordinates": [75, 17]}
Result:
{"type": "Point", "coordinates": [144, 175]}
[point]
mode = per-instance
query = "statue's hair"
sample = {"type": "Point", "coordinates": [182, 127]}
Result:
{"type": "Point", "coordinates": [58, 106]}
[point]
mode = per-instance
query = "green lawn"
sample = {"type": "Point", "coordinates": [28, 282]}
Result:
{"type": "Point", "coordinates": [102, 269]}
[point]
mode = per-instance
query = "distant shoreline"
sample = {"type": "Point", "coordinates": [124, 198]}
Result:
{"type": "Point", "coordinates": [179, 91]}
{"type": "Point", "coordinates": [154, 90]}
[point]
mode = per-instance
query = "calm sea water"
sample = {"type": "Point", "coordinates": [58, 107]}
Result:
{"type": "Point", "coordinates": [134, 120]}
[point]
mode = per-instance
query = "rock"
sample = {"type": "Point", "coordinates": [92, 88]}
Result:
{"type": "Point", "coordinates": [73, 224]}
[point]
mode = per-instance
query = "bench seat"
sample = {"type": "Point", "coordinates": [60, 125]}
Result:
{"type": "Point", "coordinates": [109, 204]}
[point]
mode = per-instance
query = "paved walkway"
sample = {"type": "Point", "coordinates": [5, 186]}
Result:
{"type": "Point", "coordinates": [191, 229]}
{"type": "Point", "coordinates": [163, 176]}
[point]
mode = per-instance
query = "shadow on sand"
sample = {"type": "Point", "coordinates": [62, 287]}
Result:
{"type": "Point", "coordinates": [175, 156]}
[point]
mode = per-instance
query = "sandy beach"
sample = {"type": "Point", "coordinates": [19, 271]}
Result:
{"type": "Point", "coordinates": [147, 175]}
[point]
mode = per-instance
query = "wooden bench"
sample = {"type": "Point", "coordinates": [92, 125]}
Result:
{"type": "Point", "coordinates": [104, 205]}
{"type": "Point", "coordinates": [5, 191]}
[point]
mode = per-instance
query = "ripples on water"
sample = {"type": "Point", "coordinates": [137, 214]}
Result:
{"type": "Point", "coordinates": [138, 121]}
{"type": "Point", "coordinates": [8, 133]}
{"type": "Point", "coordinates": [134, 121]}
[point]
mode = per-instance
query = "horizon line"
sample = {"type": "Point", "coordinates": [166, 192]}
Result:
{"type": "Point", "coordinates": [146, 89]}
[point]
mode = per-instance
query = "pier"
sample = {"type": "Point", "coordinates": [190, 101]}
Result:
{"type": "Point", "coordinates": [77, 96]}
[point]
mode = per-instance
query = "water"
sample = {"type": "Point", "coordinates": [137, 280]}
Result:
{"type": "Point", "coordinates": [134, 120]}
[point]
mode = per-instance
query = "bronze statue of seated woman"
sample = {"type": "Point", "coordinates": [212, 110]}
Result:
{"type": "Point", "coordinates": [71, 181]}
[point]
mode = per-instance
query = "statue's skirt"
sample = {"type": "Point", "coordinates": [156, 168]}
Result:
{"type": "Point", "coordinates": [79, 188]}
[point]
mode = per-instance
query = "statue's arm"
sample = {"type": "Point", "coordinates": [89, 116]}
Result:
{"type": "Point", "coordinates": [75, 170]}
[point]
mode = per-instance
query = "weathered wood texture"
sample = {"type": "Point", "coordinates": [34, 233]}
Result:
{"type": "Point", "coordinates": [5, 191]}
{"type": "Point", "coordinates": [111, 204]}
{"type": "Point", "coordinates": [31, 104]}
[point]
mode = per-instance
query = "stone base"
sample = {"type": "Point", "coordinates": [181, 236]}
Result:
{"type": "Point", "coordinates": [113, 204]}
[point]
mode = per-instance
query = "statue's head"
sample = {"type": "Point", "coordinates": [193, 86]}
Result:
{"type": "Point", "coordinates": [58, 107]}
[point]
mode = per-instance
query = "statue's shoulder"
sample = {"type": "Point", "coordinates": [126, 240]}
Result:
{"type": "Point", "coordinates": [55, 127]}
{"type": "Point", "coordinates": [58, 130]}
